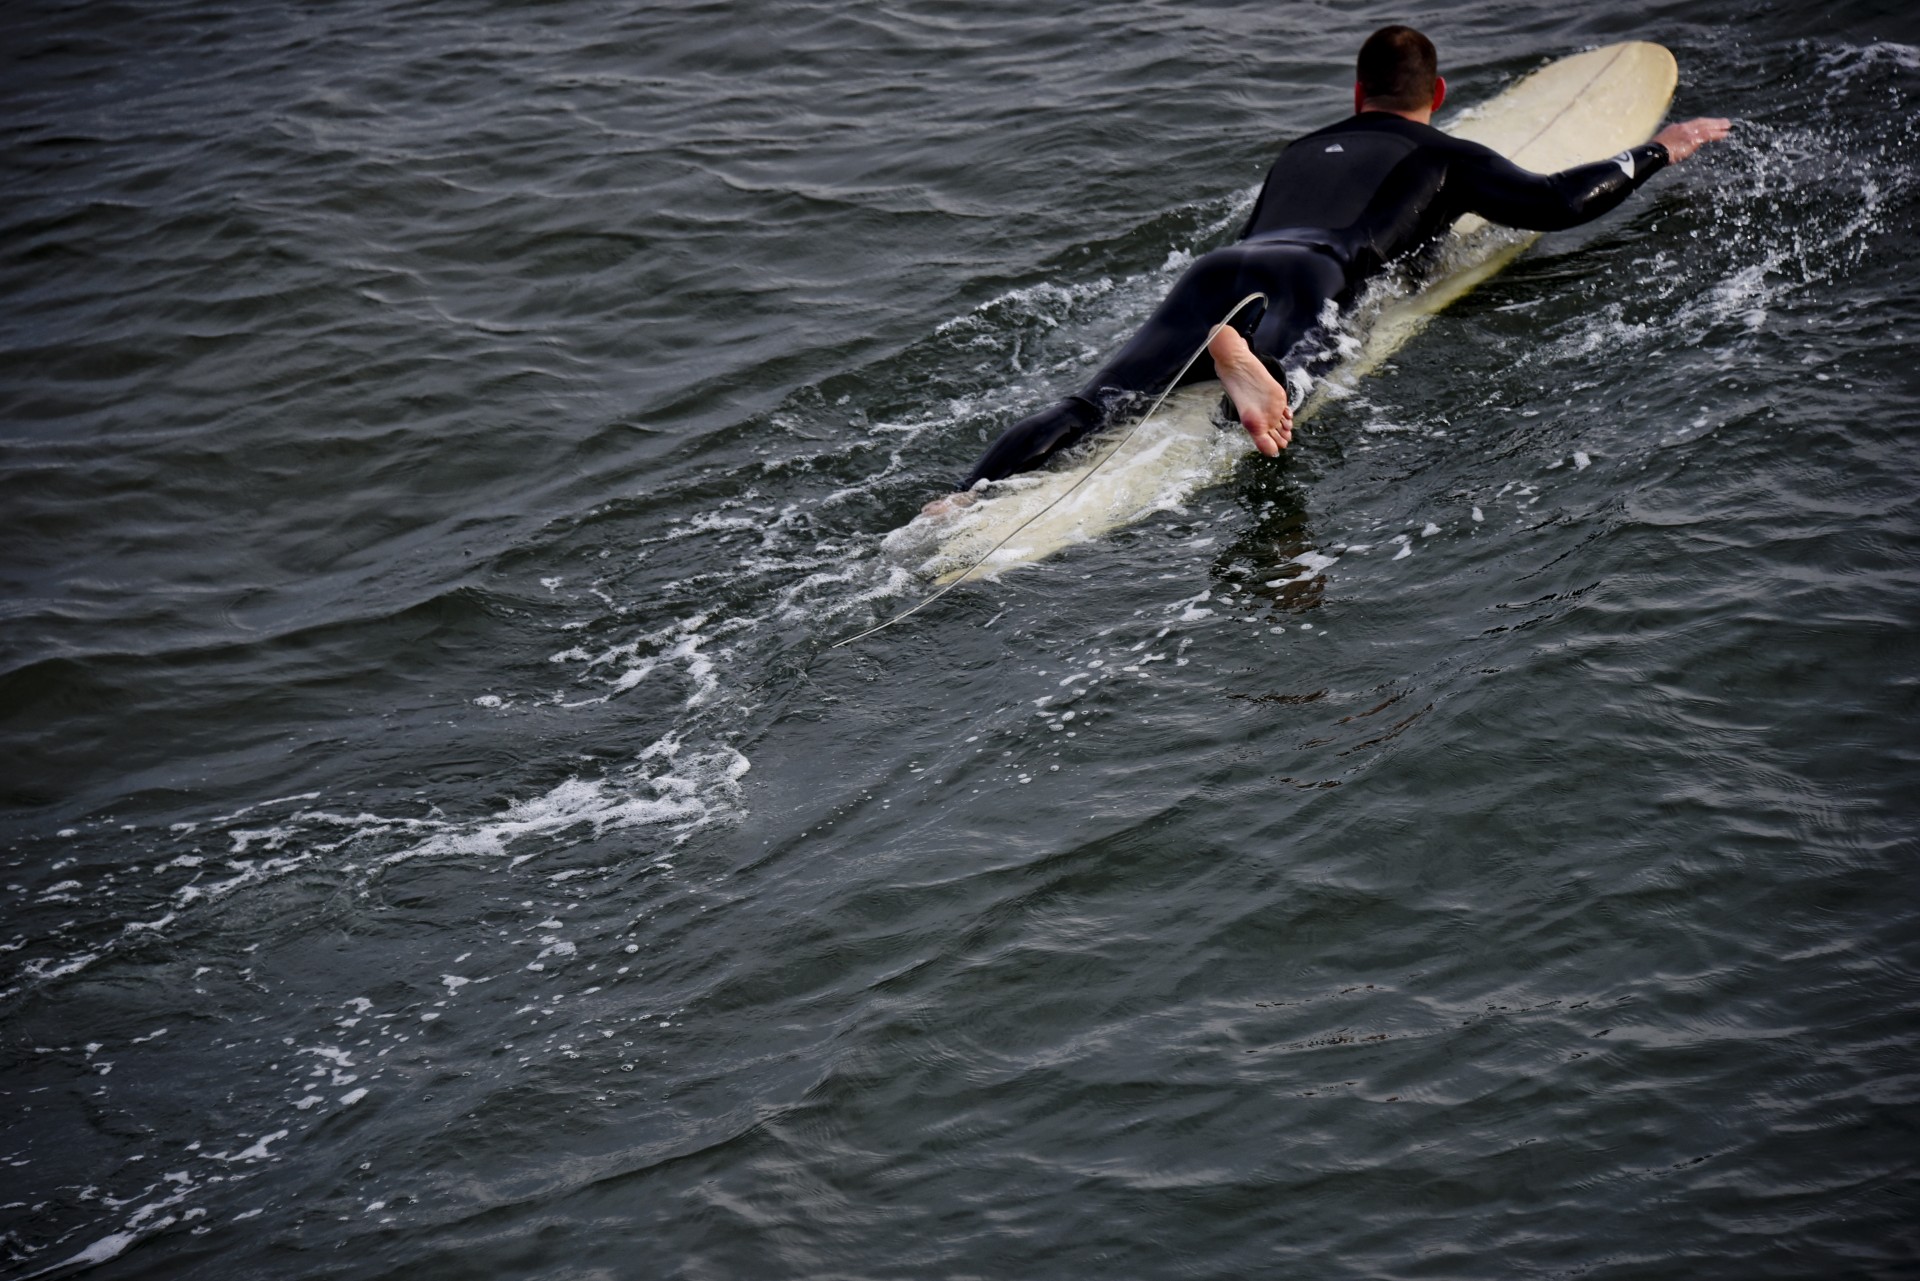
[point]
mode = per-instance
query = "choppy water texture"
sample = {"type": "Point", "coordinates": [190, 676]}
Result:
{"type": "Point", "coordinates": [440, 441]}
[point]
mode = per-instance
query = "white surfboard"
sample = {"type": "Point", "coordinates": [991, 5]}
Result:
{"type": "Point", "coordinates": [1571, 112]}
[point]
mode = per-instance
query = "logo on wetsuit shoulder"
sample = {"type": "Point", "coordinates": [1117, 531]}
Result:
{"type": "Point", "coordinates": [1335, 147]}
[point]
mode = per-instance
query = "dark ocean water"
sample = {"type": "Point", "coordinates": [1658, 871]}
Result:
{"type": "Point", "coordinates": [438, 442]}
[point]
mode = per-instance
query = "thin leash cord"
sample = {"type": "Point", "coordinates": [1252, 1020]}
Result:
{"type": "Point", "coordinates": [1138, 424]}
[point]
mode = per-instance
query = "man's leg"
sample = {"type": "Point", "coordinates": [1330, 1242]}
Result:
{"type": "Point", "coordinates": [1023, 447]}
{"type": "Point", "coordinates": [1296, 281]}
{"type": "Point", "coordinates": [1034, 439]}
{"type": "Point", "coordinates": [1140, 370]}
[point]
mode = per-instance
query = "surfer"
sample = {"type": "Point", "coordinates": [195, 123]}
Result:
{"type": "Point", "coordinates": [1337, 206]}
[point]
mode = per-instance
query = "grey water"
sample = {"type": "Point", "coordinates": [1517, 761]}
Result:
{"type": "Point", "coordinates": [439, 442]}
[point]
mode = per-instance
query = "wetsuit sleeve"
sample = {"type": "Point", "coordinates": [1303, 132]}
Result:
{"type": "Point", "coordinates": [1500, 191]}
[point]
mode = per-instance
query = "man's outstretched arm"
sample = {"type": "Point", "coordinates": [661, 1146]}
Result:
{"type": "Point", "coordinates": [1503, 192]}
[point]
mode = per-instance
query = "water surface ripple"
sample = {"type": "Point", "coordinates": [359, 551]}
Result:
{"type": "Point", "coordinates": [440, 441]}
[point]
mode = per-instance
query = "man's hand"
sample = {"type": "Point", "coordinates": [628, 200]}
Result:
{"type": "Point", "coordinates": [1685, 137]}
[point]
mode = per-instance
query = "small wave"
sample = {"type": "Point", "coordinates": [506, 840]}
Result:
{"type": "Point", "coordinates": [672, 788]}
{"type": "Point", "coordinates": [1848, 62]}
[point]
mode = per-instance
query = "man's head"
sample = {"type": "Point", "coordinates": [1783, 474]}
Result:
{"type": "Point", "coordinates": [1398, 72]}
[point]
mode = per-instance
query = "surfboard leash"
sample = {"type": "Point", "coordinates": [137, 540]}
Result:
{"type": "Point", "coordinates": [1064, 494]}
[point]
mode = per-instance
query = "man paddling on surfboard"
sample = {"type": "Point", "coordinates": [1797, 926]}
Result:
{"type": "Point", "coordinates": [1337, 206]}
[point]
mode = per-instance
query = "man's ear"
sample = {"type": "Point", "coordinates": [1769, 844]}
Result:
{"type": "Point", "coordinates": [1439, 91]}
{"type": "Point", "coordinates": [1359, 98]}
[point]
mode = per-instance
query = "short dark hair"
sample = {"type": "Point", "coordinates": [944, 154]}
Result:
{"type": "Point", "coordinates": [1397, 69]}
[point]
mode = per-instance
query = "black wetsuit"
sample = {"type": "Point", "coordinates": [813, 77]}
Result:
{"type": "Point", "coordinates": [1337, 206]}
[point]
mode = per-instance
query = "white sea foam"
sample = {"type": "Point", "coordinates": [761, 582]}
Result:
{"type": "Point", "coordinates": [1763, 256]}
{"type": "Point", "coordinates": [672, 787]}
{"type": "Point", "coordinates": [259, 1150]}
{"type": "Point", "coordinates": [45, 970]}
{"type": "Point", "coordinates": [684, 796]}
{"type": "Point", "coordinates": [1046, 302]}
{"type": "Point", "coordinates": [107, 1247]}
{"type": "Point", "coordinates": [149, 1218]}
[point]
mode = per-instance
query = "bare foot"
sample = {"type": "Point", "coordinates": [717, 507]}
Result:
{"type": "Point", "coordinates": [1257, 396]}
